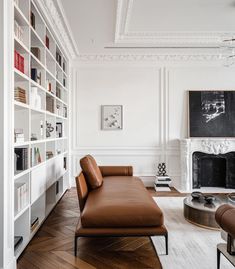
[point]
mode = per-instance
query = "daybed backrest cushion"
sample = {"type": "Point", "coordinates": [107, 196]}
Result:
{"type": "Point", "coordinates": [91, 171]}
{"type": "Point", "coordinates": [82, 190]}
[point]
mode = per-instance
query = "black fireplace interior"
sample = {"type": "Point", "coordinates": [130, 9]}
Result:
{"type": "Point", "coordinates": [211, 170]}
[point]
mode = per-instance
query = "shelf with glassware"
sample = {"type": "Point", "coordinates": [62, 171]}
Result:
{"type": "Point", "coordinates": [40, 121]}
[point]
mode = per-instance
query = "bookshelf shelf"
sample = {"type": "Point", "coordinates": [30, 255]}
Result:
{"type": "Point", "coordinates": [21, 212]}
{"type": "Point", "coordinates": [40, 120]}
{"type": "Point", "coordinates": [20, 17]}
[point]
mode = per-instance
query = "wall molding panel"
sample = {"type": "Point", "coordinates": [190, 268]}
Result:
{"type": "Point", "coordinates": [164, 124]}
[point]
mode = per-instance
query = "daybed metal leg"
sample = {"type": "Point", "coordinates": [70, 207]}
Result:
{"type": "Point", "coordinates": [166, 241]}
{"type": "Point", "coordinates": [75, 245]}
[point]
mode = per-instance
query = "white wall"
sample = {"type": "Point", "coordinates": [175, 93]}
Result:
{"type": "Point", "coordinates": [154, 98]}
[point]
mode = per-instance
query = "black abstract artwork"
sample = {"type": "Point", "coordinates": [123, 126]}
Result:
{"type": "Point", "coordinates": [212, 113]}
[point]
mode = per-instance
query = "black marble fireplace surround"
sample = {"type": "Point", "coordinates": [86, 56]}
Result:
{"type": "Point", "coordinates": [211, 170]}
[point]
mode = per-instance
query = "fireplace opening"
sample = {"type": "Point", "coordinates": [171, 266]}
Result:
{"type": "Point", "coordinates": [211, 170]}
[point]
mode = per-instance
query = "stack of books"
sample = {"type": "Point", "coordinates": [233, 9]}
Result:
{"type": "Point", "coordinates": [19, 136]}
{"type": "Point", "coordinates": [19, 61]}
{"type": "Point", "coordinates": [162, 181]}
{"type": "Point", "coordinates": [34, 223]}
{"type": "Point", "coordinates": [21, 159]}
{"type": "Point", "coordinates": [36, 75]}
{"type": "Point", "coordinates": [19, 32]}
{"type": "Point", "coordinates": [50, 104]}
{"type": "Point", "coordinates": [20, 95]}
{"type": "Point", "coordinates": [36, 52]}
{"type": "Point", "coordinates": [21, 194]}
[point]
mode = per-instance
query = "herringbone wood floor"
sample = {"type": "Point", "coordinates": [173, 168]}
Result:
{"type": "Point", "coordinates": [52, 246]}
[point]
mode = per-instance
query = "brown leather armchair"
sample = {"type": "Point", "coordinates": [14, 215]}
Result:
{"type": "Point", "coordinates": [225, 217]}
{"type": "Point", "coordinates": [114, 203]}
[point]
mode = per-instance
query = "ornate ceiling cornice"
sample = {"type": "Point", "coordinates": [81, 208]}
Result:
{"type": "Point", "coordinates": [55, 17]}
{"type": "Point", "coordinates": [148, 57]}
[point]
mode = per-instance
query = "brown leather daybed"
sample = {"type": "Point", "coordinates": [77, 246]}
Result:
{"type": "Point", "coordinates": [114, 203]}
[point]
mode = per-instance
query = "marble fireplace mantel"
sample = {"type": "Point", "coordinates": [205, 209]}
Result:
{"type": "Point", "coordinates": [206, 145]}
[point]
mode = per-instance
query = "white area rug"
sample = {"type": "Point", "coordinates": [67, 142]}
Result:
{"type": "Point", "coordinates": [189, 245]}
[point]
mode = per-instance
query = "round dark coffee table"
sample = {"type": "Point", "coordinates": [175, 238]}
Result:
{"type": "Point", "coordinates": [200, 213]}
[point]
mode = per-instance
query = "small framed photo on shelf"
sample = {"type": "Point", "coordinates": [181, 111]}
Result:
{"type": "Point", "coordinates": [111, 117]}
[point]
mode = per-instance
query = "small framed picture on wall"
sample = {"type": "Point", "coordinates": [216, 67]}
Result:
{"type": "Point", "coordinates": [111, 117]}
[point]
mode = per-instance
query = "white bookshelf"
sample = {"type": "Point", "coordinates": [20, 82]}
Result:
{"type": "Point", "coordinates": [40, 121]}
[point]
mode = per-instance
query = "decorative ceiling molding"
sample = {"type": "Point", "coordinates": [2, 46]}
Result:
{"type": "Point", "coordinates": [55, 16]}
{"type": "Point", "coordinates": [180, 38]}
{"type": "Point", "coordinates": [148, 57]}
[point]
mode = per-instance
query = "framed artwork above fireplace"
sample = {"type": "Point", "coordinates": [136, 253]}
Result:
{"type": "Point", "coordinates": [211, 113]}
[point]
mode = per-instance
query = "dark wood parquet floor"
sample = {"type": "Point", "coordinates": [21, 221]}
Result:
{"type": "Point", "coordinates": [52, 246]}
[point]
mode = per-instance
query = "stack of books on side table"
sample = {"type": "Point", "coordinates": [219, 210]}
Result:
{"type": "Point", "coordinates": [162, 181]}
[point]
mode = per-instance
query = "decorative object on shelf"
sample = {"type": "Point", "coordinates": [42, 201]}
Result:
{"type": "Point", "coordinates": [41, 129]}
{"type": "Point", "coordinates": [32, 20]}
{"type": "Point", "coordinates": [18, 30]}
{"type": "Point", "coordinates": [49, 129]}
{"type": "Point", "coordinates": [35, 156]}
{"type": "Point", "coordinates": [65, 163]}
{"type": "Point", "coordinates": [19, 135]}
{"type": "Point", "coordinates": [211, 114]}
{"type": "Point", "coordinates": [49, 87]}
{"type": "Point", "coordinates": [59, 129]}
{"type": "Point", "coordinates": [49, 154]}
{"type": "Point", "coordinates": [58, 151]}
{"type": "Point", "coordinates": [34, 137]}
{"type": "Point", "coordinates": [20, 95]}
{"type": "Point", "coordinates": [19, 61]}
{"type": "Point", "coordinates": [47, 42]}
{"type": "Point", "coordinates": [64, 66]}
{"type": "Point", "coordinates": [161, 169]}
{"type": "Point", "coordinates": [64, 111]}
{"type": "Point", "coordinates": [111, 117]}
{"type": "Point", "coordinates": [58, 58]}
{"type": "Point", "coordinates": [35, 98]}
{"type": "Point", "coordinates": [36, 52]}
{"type": "Point", "coordinates": [231, 197]}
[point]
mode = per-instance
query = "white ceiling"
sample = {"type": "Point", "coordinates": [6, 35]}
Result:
{"type": "Point", "coordinates": [98, 24]}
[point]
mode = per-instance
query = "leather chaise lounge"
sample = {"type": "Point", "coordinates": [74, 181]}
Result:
{"type": "Point", "coordinates": [114, 203]}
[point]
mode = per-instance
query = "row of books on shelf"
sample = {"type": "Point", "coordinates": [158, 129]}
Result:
{"type": "Point", "coordinates": [20, 95]}
{"type": "Point", "coordinates": [21, 159]}
{"type": "Point", "coordinates": [21, 196]}
{"type": "Point", "coordinates": [19, 135]}
{"type": "Point", "coordinates": [19, 61]}
{"type": "Point", "coordinates": [19, 31]}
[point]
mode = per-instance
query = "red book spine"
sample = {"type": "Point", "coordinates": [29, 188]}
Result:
{"type": "Point", "coordinates": [22, 64]}
{"type": "Point", "coordinates": [16, 59]}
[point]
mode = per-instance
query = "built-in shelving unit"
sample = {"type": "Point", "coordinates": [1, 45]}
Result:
{"type": "Point", "coordinates": [40, 121]}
